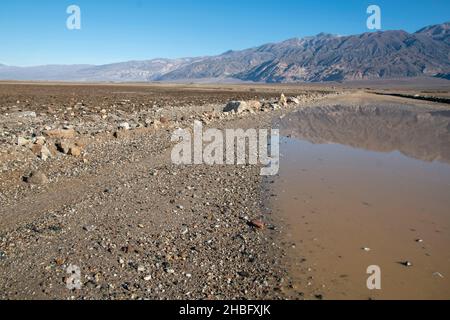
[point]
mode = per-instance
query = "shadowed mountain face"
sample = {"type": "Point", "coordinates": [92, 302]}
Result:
{"type": "Point", "coordinates": [325, 57]}
{"type": "Point", "coordinates": [422, 135]}
{"type": "Point", "coordinates": [440, 32]}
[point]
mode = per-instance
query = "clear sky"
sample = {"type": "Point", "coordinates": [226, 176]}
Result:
{"type": "Point", "coordinates": [33, 32]}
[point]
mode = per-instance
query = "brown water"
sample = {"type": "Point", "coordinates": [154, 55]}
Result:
{"type": "Point", "coordinates": [366, 177]}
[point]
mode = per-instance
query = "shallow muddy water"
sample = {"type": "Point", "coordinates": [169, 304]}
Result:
{"type": "Point", "coordinates": [363, 186]}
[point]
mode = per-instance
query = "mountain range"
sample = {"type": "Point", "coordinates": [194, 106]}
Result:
{"type": "Point", "coordinates": [325, 57]}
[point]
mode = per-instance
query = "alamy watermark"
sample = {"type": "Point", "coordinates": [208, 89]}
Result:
{"type": "Point", "coordinates": [374, 20]}
{"type": "Point", "coordinates": [73, 281]}
{"type": "Point", "coordinates": [374, 281]}
{"type": "Point", "coordinates": [230, 146]}
{"type": "Point", "coordinates": [73, 22]}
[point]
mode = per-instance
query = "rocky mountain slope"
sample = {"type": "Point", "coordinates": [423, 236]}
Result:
{"type": "Point", "coordinates": [325, 57]}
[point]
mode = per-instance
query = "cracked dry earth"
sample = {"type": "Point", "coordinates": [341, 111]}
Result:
{"type": "Point", "coordinates": [137, 226]}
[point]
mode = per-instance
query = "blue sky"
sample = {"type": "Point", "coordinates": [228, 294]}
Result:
{"type": "Point", "coordinates": [33, 32]}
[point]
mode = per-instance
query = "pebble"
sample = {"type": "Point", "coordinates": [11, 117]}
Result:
{"type": "Point", "coordinates": [258, 224]}
{"type": "Point", "coordinates": [154, 173]}
{"type": "Point", "coordinates": [140, 268]}
{"type": "Point", "coordinates": [75, 151]}
{"type": "Point", "coordinates": [89, 228]}
{"type": "Point", "coordinates": [39, 140]}
{"type": "Point", "coordinates": [406, 264]}
{"type": "Point", "coordinates": [21, 141]}
{"type": "Point", "coordinates": [37, 178]}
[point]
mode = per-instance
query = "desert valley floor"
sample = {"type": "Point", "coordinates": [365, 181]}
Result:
{"type": "Point", "coordinates": [87, 183]}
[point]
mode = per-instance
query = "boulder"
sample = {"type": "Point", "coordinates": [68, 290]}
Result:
{"type": "Point", "coordinates": [41, 151]}
{"type": "Point", "coordinates": [236, 106]}
{"type": "Point", "coordinates": [293, 100]}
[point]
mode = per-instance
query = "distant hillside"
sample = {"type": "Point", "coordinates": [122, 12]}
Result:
{"type": "Point", "coordinates": [325, 57]}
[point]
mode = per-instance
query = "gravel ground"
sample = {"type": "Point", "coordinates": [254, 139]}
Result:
{"type": "Point", "coordinates": [109, 203]}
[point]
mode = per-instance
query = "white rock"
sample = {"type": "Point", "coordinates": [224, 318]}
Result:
{"type": "Point", "coordinates": [140, 268]}
{"type": "Point", "coordinates": [283, 101]}
{"type": "Point", "coordinates": [124, 126]}
{"type": "Point", "coordinates": [293, 100]}
{"type": "Point", "coordinates": [21, 141]}
{"type": "Point", "coordinates": [45, 153]}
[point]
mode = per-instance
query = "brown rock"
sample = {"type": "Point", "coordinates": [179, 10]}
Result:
{"type": "Point", "coordinates": [75, 151]}
{"type": "Point", "coordinates": [121, 134]}
{"type": "Point", "coordinates": [163, 120]}
{"type": "Point", "coordinates": [39, 140]}
{"type": "Point", "coordinates": [258, 224]}
{"type": "Point", "coordinates": [156, 124]}
{"type": "Point", "coordinates": [60, 133]}
{"type": "Point", "coordinates": [37, 178]}
{"type": "Point", "coordinates": [82, 143]}
{"type": "Point", "coordinates": [254, 104]}
{"type": "Point", "coordinates": [64, 146]}
{"type": "Point", "coordinates": [36, 149]}
{"type": "Point", "coordinates": [41, 151]}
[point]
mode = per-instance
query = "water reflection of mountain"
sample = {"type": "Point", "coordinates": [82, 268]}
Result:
{"type": "Point", "coordinates": [423, 135]}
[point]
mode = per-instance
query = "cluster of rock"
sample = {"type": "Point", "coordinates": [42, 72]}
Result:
{"type": "Point", "coordinates": [52, 142]}
{"type": "Point", "coordinates": [67, 128]}
{"type": "Point", "coordinates": [253, 106]}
